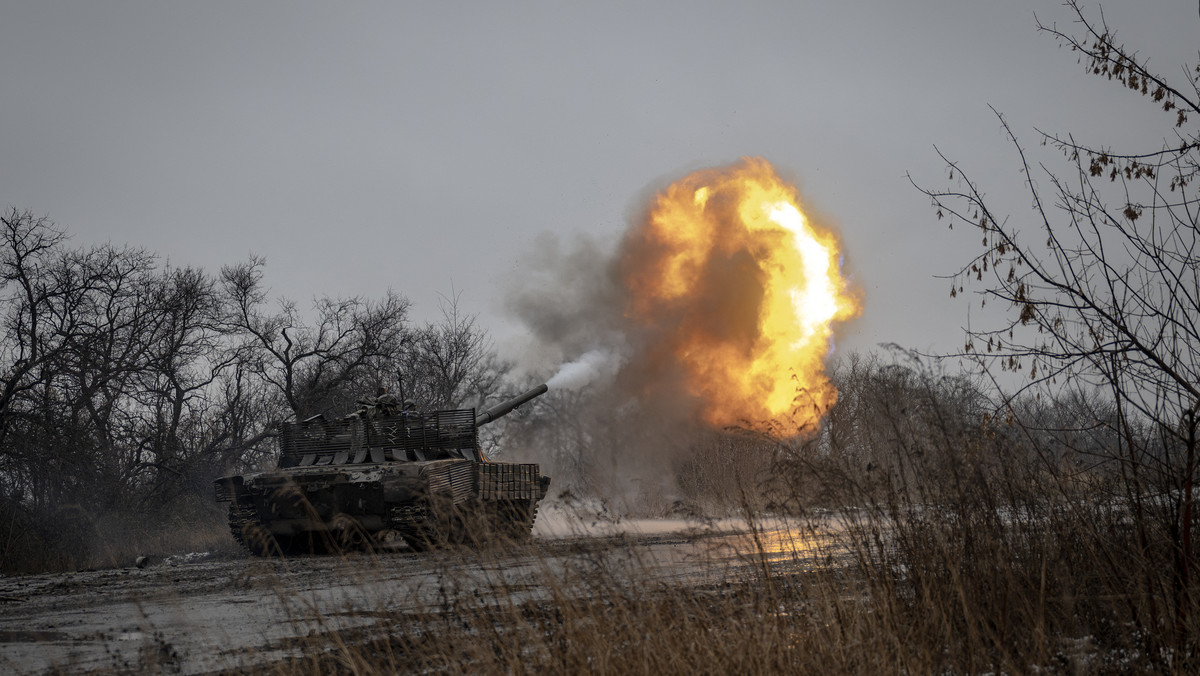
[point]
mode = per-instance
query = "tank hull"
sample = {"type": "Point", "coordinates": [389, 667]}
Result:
{"type": "Point", "coordinates": [428, 504]}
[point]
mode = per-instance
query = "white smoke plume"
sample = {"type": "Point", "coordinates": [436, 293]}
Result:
{"type": "Point", "coordinates": [594, 367]}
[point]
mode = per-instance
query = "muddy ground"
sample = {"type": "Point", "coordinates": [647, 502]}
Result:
{"type": "Point", "coordinates": [201, 613]}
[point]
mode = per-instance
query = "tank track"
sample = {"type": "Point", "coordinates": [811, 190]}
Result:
{"type": "Point", "coordinates": [416, 525]}
{"type": "Point", "coordinates": [421, 529]}
{"type": "Point", "coordinates": [248, 531]}
{"type": "Point", "coordinates": [253, 536]}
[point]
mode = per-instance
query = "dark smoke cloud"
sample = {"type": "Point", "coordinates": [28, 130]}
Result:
{"type": "Point", "coordinates": [571, 300]}
{"type": "Point", "coordinates": [619, 423]}
{"type": "Point", "coordinates": [567, 297]}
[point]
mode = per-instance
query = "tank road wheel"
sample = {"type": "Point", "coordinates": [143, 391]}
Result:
{"type": "Point", "coordinates": [255, 538]}
{"type": "Point", "coordinates": [347, 535]}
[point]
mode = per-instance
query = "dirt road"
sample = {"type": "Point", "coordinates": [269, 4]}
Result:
{"type": "Point", "coordinates": [200, 613]}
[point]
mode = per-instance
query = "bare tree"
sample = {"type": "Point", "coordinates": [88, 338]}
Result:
{"type": "Point", "coordinates": [309, 364]}
{"type": "Point", "coordinates": [452, 362]}
{"type": "Point", "coordinates": [1102, 288]}
{"type": "Point", "coordinates": [78, 332]}
{"type": "Point", "coordinates": [36, 334]}
{"type": "Point", "coordinates": [114, 395]}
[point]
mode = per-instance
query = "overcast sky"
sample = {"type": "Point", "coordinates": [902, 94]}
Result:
{"type": "Point", "coordinates": [427, 146]}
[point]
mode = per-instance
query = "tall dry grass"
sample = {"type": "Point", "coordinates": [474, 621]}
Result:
{"type": "Point", "coordinates": [914, 595]}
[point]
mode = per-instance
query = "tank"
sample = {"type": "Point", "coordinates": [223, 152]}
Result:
{"type": "Point", "coordinates": [347, 483]}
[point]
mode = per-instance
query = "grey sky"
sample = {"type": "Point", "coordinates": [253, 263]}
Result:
{"type": "Point", "coordinates": [420, 146]}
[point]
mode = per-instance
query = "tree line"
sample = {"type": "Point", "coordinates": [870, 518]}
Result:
{"type": "Point", "coordinates": [128, 384]}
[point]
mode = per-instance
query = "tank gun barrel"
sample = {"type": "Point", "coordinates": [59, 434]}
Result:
{"type": "Point", "coordinates": [504, 408]}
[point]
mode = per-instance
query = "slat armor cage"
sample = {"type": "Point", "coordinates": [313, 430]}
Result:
{"type": "Point", "coordinates": [354, 440]}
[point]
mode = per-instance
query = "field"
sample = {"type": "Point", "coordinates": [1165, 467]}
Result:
{"type": "Point", "coordinates": [1050, 585]}
{"type": "Point", "coordinates": [387, 611]}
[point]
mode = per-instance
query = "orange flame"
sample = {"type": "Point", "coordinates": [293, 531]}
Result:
{"type": "Point", "coordinates": [742, 291]}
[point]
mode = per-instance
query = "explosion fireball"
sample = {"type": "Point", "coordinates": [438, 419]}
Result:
{"type": "Point", "coordinates": [732, 282]}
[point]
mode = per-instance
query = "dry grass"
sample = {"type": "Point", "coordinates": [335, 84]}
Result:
{"type": "Point", "coordinates": [959, 588]}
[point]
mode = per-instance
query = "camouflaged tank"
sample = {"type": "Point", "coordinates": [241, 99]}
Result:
{"type": "Point", "coordinates": [344, 484]}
